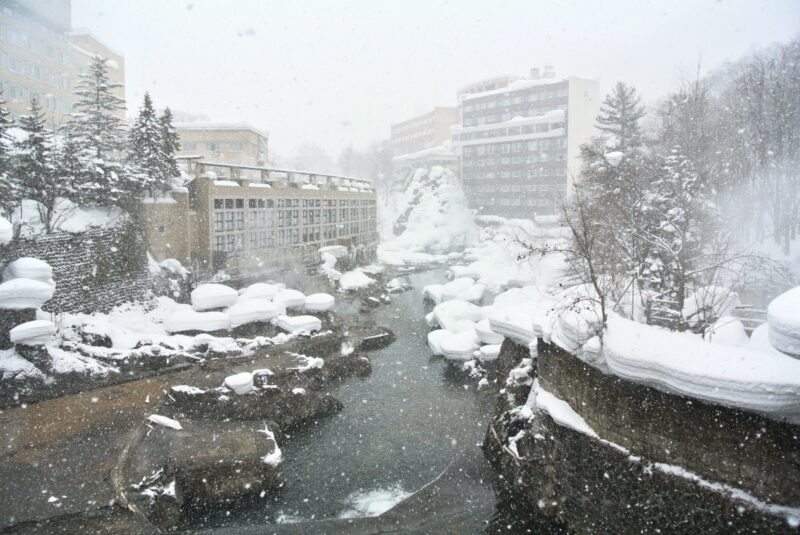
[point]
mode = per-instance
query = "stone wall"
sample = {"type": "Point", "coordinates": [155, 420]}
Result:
{"type": "Point", "coordinates": [571, 482]}
{"type": "Point", "coordinates": [94, 271]}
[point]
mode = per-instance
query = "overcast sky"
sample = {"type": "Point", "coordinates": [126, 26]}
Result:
{"type": "Point", "coordinates": [338, 73]}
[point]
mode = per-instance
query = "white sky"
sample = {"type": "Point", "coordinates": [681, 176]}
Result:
{"type": "Point", "coordinates": [334, 73]}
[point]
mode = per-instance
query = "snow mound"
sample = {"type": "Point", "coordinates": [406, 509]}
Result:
{"type": "Point", "coordinates": [210, 296]}
{"type": "Point", "coordinates": [165, 421]}
{"type": "Point", "coordinates": [684, 364]}
{"type": "Point", "coordinates": [293, 324]}
{"type": "Point", "coordinates": [250, 311]}
{"type": "Point", "coordinates": [190, 320]}
{"type": "Point", "coordinates": [6, 231]}
{"type": "Point", "coordinates": [486, 334]}
{"type": "Point", "coordinates": [728, 331]}
{"type": "Point", "coordinates": [447, 314]}
{"type": "Point", "coordinates": [69, 362]}
{"type": "Point", "coordinates": [783, 317]}
{"type": "Point", "coordinates": [289, 298]}
{"type": "Point", "coordinates": [259, 290]}
{"type": "Point", "coordinates": [759, 341]}
{"type": "Point", "coordinates": [28, 268]}
{"type": "Point", "coordinates": [241, 383]}
{"type": "Point", "coordinates": [459, 346]}
{"type": "Point", "coordinates": [352, 280]}
{"type": "Point", "coordinates": [435, 341]}
{"type": "Point", "coordinates": [33, 333]}
{"type": "Point", "coordinates": [21, 294]}
{"type": "Point", "coordinates": [464, 289]}
{"type": "Point", "coordinates": [319, 302]}
{"type": "Point", "coordinates": [489, 353]}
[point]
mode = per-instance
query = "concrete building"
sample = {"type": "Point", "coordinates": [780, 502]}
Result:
{"type": "Point", "coordinates": [242, 225]}
{"type": "Point", "coordinates": [424, 131]}
{"type": "Point", "coordinates": [519, 143]}
{"type": "Point", "coordinates": [233, 143]}
{"type": "Point", "coordinates": [41, 56]}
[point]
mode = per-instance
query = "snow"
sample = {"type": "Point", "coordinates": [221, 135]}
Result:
{"type": "Point", "coordinates": [759, 341]}
{"type": "Point", "coordinates": [210, 296]}
{"type": "Point", "coordinates": [489, 352]}
{"type": "Point", "coordinates": [68, 362]}
{"type": "Point", "coordinates": [21, 294]}
{"type": "Point", "coordinates": [319, 302]}
{"type": "Point", "coordinates": [435, 339]}
{"type": "Point", "coordinates": [459, 346]}
{"type": "Point", "coordinates": [292, 324]}
{"type": "Point", "coordinates": [262, 290]}
{"type": "Point", "coordinates": [226, 183]}
{"type": "Point", "coordinates": [259, 185]}
{"type": "Point", "coordinates": [447, 314]}
{"type": "Point", "coordinates": [463, 288]}
{"type": "Point", "coordinates": [241, 383]}
{"type": "Point", "coordinates": [275, 457]}
{"type": "Point", "coordinates": [174, 266]}
{"type": "Point", "coordinates": [337, 251]}
{"type": "Point", "coordinates": [559, 410]}
{"type": "Point", "coordinates": [684, 364]}
{"type": "Point", "coordinates": [352, 280]}
{"type": "Point", "coordinates": [309, 186]}
{"type": "Point", "coordinates": [69, 217]}
{"type": "Point", "coordinates": [486, 334]}
{"type": "Point", "coordinates": [190, 320]}
{"type": "Point", "coordinates": [165, 421]}
{"type": "Point", "coordinates": [28, 268]}
{"type": "Point", "coordinates": [13, 366]}
{"type": "Point", "coordinates": [186, 389]}
{"type": "Point", "coordinates": [251, 310]}
{"type": "Point", "coordinates": [6, 231]}
{"type": "Point", "coordinates": [33, 333]}
{"type": "Point", "coordinates": [373, 502]}
{"type": "Point", "coordinates": [289, 298]}
{"type": "Point", "coordinates": [783, 317]}
{"type": "Point", "coordinates": [308, 363]}
{"type": "Point", "coordinates": [728, 331]}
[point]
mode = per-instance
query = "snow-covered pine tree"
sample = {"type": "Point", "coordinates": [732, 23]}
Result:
{"type": "Point", "coordinates": [34, 166]}
{"type": "Point", "coordinates": [146, 152]}
{"type": "Point", "coordinates": [170, 145]}
{"type": "Point", "coordinates": [619, 117]}
{"type": "Point", "coordinates": [100, 133]}
{"type": "Point", "coordinates": [69, 166]}
{"type": "Point", "coordinates": [9, 187]}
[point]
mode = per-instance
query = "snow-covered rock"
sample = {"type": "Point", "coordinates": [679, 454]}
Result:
{"type": "Point", "coordinates": [251, 310]}
{"type": "Point", "coordinates": [190, 320]}
{"type": "Point", "coordinates": [486, 334]}
{"type": "Point", "coordinates": [728, 331]}
{"type": "Point", "coordinates": [211, 296]}
{"type": "Point", "coordinates": [783, 317]}
{"type": "Point", "coordinates": [165, 421]}
{"type": "Point", "coordinates": [489, 353]}
{"type": "Point", "coordinates": [241, 383]}
{"type": "Point", "coordinates": [28, 268]}
{"type": "Point", "coordinates": [450, 312]}
{"type": "Point", "coordinates": [320, 302]}
{"type": "Point", "coordinates": [435, 341]}
{"type": "Point", "coordinates": [684, 364]}
{"type": "Point", "coordinates": [6, 231]}
{"type": "Point", "coordinates": [293, 324]}
{"type": "Point", "coordinates": [21, 294]}
{"type": "Point", "coordinates": [433, 292]}
{"type": "Point", "coordinates": [259, 290]}
{"type": "Point", "coordinates": [352, 280]}
{"type": "Point", "coordinates": [452, 289]}
{"type": "Point", "coordinates": [290, 298]}
{"type": "Point", "coordinates": [33, 333]}
{"type": "Point", "coordinates": [459, 346]}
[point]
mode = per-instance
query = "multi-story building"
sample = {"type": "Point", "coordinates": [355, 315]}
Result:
{"type": "Point", "coordinates": [40, 56]}
{"type": "Point", "coordinates": [283, 217]}
{"type": "Point", "coordinates": [234, 143]}
{"type": "Point", "coordinates": [424, 131]}
{"type": "Point", "coordinates": [519, 144]}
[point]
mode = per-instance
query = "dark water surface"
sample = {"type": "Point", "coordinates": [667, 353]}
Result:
{"type": "Point", "coordinates": [399, 429]}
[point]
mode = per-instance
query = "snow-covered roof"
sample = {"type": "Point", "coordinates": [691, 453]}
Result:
{"type": "Point", "coordinates": [209, 125]}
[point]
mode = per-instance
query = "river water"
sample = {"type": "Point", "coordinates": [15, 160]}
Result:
{"type": "Point", "coordinates": [399, 429]}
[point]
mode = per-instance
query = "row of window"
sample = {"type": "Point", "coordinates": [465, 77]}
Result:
{"type": "Point", "coordinates": [517, 146]}
{"type": "Point", "coordinates": [541, 157]}
{"type": "Point", "coordinates": [516, 201]}
{"type": "Point", "coordinates": [264, 239]}
{"type": "Point", "coordinates": [214, 146]}
{"type": "Point", "coordinates": [517, 97]}
{"type": "Point", "coordinates": [517, 188]}
{"type": "Point", "coordinates": [238, 204]}
{"type": "Point", "coordinates": [22, 39]}
{"type": "Point", "coordinates": [538, 128]}
{"type": "Point", "coordinates": [532, 111]}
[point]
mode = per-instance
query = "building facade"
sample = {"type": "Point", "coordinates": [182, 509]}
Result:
{"type": "Point", "coordinates": [424, 131]}
{"type": "Point", "coordinates": [519, 144]}
{"type": "Point", "coordinates": [41, 56]}
{"type": "Point", "coordinates": [233, 143]}
{"type": "Point", "coordinates": [241, 225]}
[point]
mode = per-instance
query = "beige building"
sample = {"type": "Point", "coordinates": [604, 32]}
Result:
{"type": "Point", "coordinates": [233, 143]}
{"type": "Point", "coordinates": [41, 56]}
{"type": "Point", "coordinates": [246, 225]}
{"type": "Point", "coordinates": [423, 131]}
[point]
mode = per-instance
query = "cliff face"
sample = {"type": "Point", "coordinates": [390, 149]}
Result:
{"type": "Point", "coordinates": [645, 460]}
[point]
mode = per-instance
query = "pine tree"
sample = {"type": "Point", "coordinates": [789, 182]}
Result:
{"type": "Point", "coordinates": [34, 166]}
{"type": "Point", "coordinates": [146, 146]}
{"type": "Point", "coordinates": [171, 145]}
{"type": "Point", "coordinates": [69, 166]}
{"type": "Point", "coordinates": [9, 188]}
{"type": "Point", "coordinates": [100, 133]}
{"type": "Point", "coordinates": [620, 114]}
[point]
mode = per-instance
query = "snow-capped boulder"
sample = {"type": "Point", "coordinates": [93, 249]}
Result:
{"type": "Point", "coordinates": [433, 292]}
{"type": "Point", "coordinates": [251, 310]}
{"type": "Point", "coordinates": [290, 298]}
{"type": "Point", "coordinates": [293, 324]}
{"type": "Point", "coordinates": [449, 312]}
{"type": "Point", "coordinates": [489, 353]}
{"type": "Point", "coordinates": [241, 383]}
{"type": "Point", "coordinates": [728, 331]}
{"type": "Point", "coordinates": [319, 302]}
{"type": "Point", "coordinates": [454, 288]}
{"type": "Point", "coordinates": [459, 346]}
{"type": "Point", "coordinates": [486, 334]}
{"type": "Point", "coordinates": [33, 333]}
{"type": "Point", "coordinates": [28, 268]}
{"type": "Point", "coordinates": [21, 294]}
{"type": "Point", "coordinates": [6, 231]}
{"type": "Point", "coordinates": [212, 295]}
{"type": "Point", "coordinates": [190, 320]}
{"type": "Point", "coordinates": [353, 280]}
{"type": "Point", "coordinates": [435, 341]}
{"type": "Point", "coordinates": [783, 317]}
{"type": "Point", "coordinates": [259, 290]}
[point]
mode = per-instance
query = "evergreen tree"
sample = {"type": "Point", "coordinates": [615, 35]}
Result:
{"type": "Point", "coordinates": [100, 132]}
{"type": "Point", "coordinates": [34, 166]}
{"type": "Point", "coordinates": [170, 145]}
{"type": "Point", "coordinates": [619, 117]}
{"type": "Point", "coordinates": [146, 151]}
{"type": "Point", "coordinates": [69, 166]}
{"type": "Point", "coordinates": [9, 188]}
